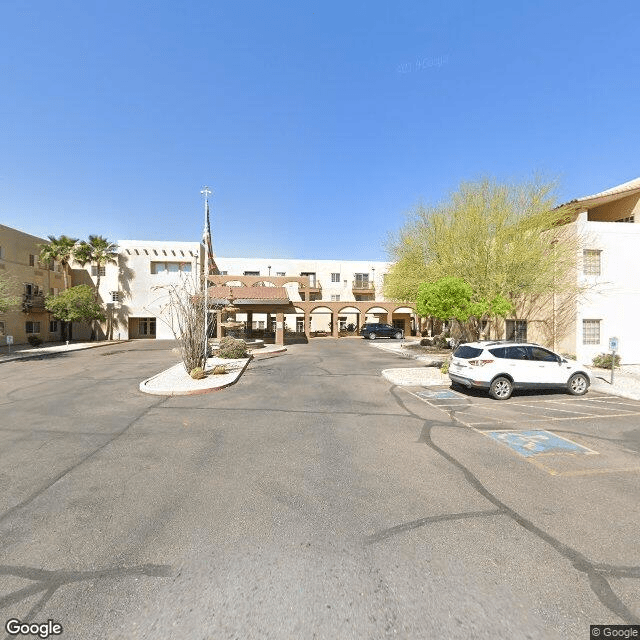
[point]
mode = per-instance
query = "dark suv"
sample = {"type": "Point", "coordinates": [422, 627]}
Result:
{"type": "Point", "coordinates": [375, 330]}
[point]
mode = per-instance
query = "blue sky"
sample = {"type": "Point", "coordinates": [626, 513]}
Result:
{"type": "Point", "coordinates": [318, 125]}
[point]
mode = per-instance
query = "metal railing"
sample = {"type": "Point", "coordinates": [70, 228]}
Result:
{"type": "Point", "coordinates": [30, 301]}
{"type": "Point", "coordinates": [363, 284]}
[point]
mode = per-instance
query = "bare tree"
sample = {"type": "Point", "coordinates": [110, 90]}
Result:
{"type": "Point", "coordinates": [183, 310]}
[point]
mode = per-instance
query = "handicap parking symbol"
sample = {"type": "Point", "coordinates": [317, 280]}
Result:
{"type": "Point", "coordinates": [537, 442]}
{"type": "Point", "coordinates": [438, 395]}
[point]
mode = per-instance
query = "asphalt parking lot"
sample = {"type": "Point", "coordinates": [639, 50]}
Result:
{"type": "Point", "coordinates": [562, 434]}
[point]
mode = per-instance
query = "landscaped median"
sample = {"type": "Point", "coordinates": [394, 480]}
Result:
{"type": "Point", "coordinates": [175, 381]}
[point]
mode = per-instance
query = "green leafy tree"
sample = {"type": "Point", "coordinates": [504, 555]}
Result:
{"type": "Point", "coordinates": [76, 304]}
{"type": "Point", "coordinates": [61, 250]}
{"type": "Point", "coordinates": [453, 299]}
{"type": "Point", "coordinates": [8, 299]}
{"type": "Point", "coordinates": [505, 241]}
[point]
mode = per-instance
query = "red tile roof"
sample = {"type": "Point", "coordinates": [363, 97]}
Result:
{"type": "Point", "coordinates": [249, 293]}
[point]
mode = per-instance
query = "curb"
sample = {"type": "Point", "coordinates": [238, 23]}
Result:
{"type": "Point", "coordinates": [268, 354]}
{"type": "Point", "coordinates": [28, 355]}
{"type": "Point", "coordinates": [190, 392]}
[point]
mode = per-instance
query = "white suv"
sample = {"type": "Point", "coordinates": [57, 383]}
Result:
{"type": "Point", "coordinates": [502, 367]}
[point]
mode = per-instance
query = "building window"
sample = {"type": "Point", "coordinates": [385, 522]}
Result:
{"type": "Point", "coordinates": [299, 325]}
{"type": "Point", "coordinates": [224, 273]}
{"type": "Point", "coordinates": [335, 277]}
{"type": "Point", "coordinates": [281, 274]}
{"type": "Point", "coordinates": [32, 327]}
{"type": "Point", "coordinates": [591, 262]}
{"type": "Point", "coordinates": [627, 219]}
{"type": "Point", "coordinates": [95, 270]}
{"type": "Point", "coordinates": [53, 326]}
{"type": "Point", "coordinates": [147, 326]}
{"type": "Point", "coordinates": [251, 273]}
{"type": "Point", "coordinates": [1, 252]}
{"type": "Point", "coordinates": [170, 267]}
{"type": "Point", "coordinates": [32, 260]}
{"type": "Point", "coordinates": [516, 330]}
{"type": "Point", "coordinates": [335, 298]}
{"type": "Point", "coordinates": [591, 332]}
{"type": "Point", "coordinates": [31, 289]}
{"type": "Point", "coordinates": [116, 296]}
{"type": "Point", "coordinates": [1, 328]}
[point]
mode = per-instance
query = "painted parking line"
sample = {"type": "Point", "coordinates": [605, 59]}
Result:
{"type": "Point", "coordinates": [538, 442]}
{"type": "Point", "coordinates": [563, 460]}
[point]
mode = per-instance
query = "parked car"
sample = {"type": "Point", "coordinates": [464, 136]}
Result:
{"type": "Point", "coordinates": [502, 367]}
{"type": "Point", "coordinates": [373, 330]}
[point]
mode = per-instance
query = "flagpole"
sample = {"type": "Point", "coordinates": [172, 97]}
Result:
{"type": "Point", "coordinates": [205, 234]}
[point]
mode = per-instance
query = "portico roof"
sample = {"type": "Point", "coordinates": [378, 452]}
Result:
{"type": "Point", "coordinates": [249, 295]}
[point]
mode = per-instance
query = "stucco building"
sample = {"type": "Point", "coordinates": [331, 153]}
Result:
{"type": "Point", "coordinates": [607, 224]}
{"type": "Point", "coordinates": [30, 281]}
{"type": "Point", "coordinates": [275, 295]}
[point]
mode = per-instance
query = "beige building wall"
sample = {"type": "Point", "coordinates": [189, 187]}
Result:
{"type": "Point", "coordinates": [31, 281]}
{"type": "Point", "coordinates": [618, 210]}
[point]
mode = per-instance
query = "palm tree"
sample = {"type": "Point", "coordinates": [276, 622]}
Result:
{"type": "Point", "coordinates": [61, 250]}
{"type": "Point", "coordinates": [98, 251]}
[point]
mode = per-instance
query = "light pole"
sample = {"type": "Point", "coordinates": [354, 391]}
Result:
{"type": "Point", "coordinates": [206, 241]}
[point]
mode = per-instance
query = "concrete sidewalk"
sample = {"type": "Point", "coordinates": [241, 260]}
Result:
{"type": "Point", "coordinates": [21, 351]}
{"type": "Point", "coordinates": [626, 379]}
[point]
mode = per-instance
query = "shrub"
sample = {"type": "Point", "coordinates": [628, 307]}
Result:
{"type": "Point", "coordinates": [197, 373]}
{"type": "Point", "coordinates": [603, 361]}
{"type": "Point", "coordinates": [34, 341]}
{"type": "Point", "coordinates": [426, 342]}
{"type": "Point", "coordinates": [231, 348]}
{"type": "Point", "coordinates": [445, 367]}
{"type": "Point", "coordinates": [441, 342]}
{"type": "Point", "coordinates": [219, 369]}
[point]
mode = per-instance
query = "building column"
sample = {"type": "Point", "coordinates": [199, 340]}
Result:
{"type": "Point", "coordinates": [219, 324]}
{"type": "Point", "coordinates": [307, 325]}
{"type": "Point", "coordinates": [335, 329]}
{"type": "Point", "coordinates": [280, 328]}
{"type": "Point", "coordinates": [249, 324]}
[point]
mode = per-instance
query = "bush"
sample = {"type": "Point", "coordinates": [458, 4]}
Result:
{"type": "Point", "coordinates": [426, 342]}
{"type": "Point", "coordinates": [441, 342]}
{"type": "Point", "coordinates": [603, 361]}
{"type": "Point", "coordinates": [231, 348]}
{"type": "Point", "coordinates": [219, 369]}
{"type": "Point", "coordinates": [445, 367]}
{"type": "Point", "coordinates": [197, 373]}
{"type": "Point", "coordinates": [34, 341]}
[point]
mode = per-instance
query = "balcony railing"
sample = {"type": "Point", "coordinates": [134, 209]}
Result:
{"type": "Point", "coordinates": [363, 285]}
{"type": "Point", "coordinates": [32, 302]}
